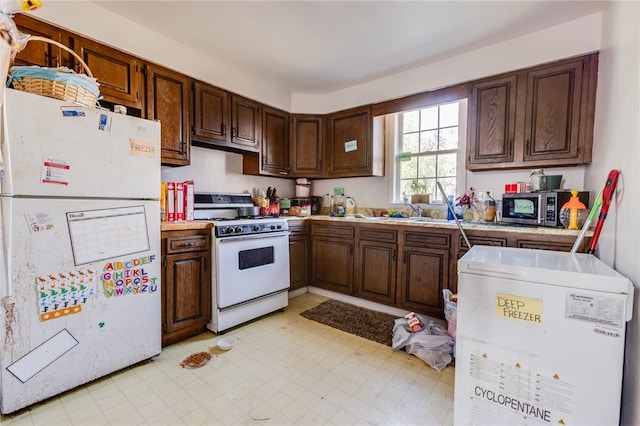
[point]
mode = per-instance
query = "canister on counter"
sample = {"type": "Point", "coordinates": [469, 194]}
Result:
{"type": "Point", "coordinates": [285, 205]}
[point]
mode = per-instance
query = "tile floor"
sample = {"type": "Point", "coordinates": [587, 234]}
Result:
{"type": "Point", "coordinates": [284, 370]}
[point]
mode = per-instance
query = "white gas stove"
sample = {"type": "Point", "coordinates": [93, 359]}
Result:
{"type": "Point", "coordinates": [250, 256]}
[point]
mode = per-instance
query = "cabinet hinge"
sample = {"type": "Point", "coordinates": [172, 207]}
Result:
{"type": "Point", "coordinates": [164, 327]}
{"type": "Point", "coordinates": [206, 264]}
{"type": "Point", "coordinates": [164, 262]}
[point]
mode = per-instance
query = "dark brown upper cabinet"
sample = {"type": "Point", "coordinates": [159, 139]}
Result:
{"type": "Point", "coordinates": [38, 52]}
{"type": "Point", "coordinates": [245, 123]}
{"type": "Point", "coordinates": [539, 116]}
{"type": "Point", "coordinates": [273, 158]}
{"type": "Point", "coordinates": [222, 120]}
{"type": "Point", "coordinates": [211, 115]}
{"type": "Point", "coordinates": [492, 119]}
{"type": "Point", "coordinates": [167, 99]}
{"type": "Point", "coordinates": [351, 149]}
{"type": "Point", "coordinates": [118, 73]}
{"type": "Point", "coordinates": [307, 145]}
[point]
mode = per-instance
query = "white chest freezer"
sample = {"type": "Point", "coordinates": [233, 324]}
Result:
{"type": "Point", "coordinates": [540, 338]}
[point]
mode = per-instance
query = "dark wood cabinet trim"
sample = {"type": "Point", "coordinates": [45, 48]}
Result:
{"type": "Point", "coordinates": [421, 100]}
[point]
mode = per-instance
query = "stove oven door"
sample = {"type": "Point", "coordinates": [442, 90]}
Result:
{"type": "Point", "coordinates": [249, 267]}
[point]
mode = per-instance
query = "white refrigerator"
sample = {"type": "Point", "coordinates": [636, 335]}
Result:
{"type": "Point", "coordinates": [540, 338]}
{"type": "Point", "coordinates": [80, 239]}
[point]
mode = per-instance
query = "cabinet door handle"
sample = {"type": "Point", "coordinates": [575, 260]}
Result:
{"type": "Point", "coordinates": [223, 129]}
{"type": "Point", "coordinates": [189, 244]}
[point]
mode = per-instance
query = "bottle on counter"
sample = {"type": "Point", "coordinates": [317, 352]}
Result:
{"type": "Point", "coordinates": [340, 206]}
{"type": "Point", "coordinates": [490, 209]}
{"type": "Point", "coordinates": [332, 207]}
{"type": "Point", "coordinates": [350, 206]}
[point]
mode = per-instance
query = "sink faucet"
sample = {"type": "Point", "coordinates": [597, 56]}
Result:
{"type": "Point", "coordinates": [416, 209]}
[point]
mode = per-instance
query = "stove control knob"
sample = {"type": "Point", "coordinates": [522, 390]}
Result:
{"type": "Point", "coordinates": [256, 227]}
{"type": "Point", "coordinates": [226, 230]}
{"type": "Point", "coordinates": [238, 229]}
{"type": "Point", "coordinates": [279, 226]}
{"type": "Point", "coordinates": [273, 227]}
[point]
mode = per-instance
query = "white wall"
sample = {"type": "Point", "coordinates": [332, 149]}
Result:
{"type": "Point", "coordinates": [219, 171]}
{"type": "Point", "coordinates": [562, 41]}
{"type": "Point", "coordinates": [100, 24]}
{"type": "Point", "coordinates": [617, 136]}
{"type": "Point", "coordinates": [615, 33]}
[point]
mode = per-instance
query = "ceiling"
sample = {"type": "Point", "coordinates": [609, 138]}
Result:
{"type": "Point", "coordinates": [317, 47]}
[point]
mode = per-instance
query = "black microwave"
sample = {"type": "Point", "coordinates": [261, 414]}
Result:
{"type": "Point", "coordinates": [537, 208]}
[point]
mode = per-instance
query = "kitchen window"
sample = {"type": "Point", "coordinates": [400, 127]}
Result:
{"type": "Point", "coordinates": [429, 145]}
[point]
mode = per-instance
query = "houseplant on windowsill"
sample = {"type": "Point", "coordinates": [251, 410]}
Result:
{"type": "Point", "coordinates": [419, 192]}
{"type": "Point", "coordinates": [467, 201]}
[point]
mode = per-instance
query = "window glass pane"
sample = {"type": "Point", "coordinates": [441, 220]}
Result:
{"type": "Point", "coordinates": [427, 166]}
{"type": "Point", "coordinates": [447, 165]}
{"type": "Point", "coordinates": [449, 138]}
{"type": "Point", "coordinates": [449, 186]}
{"type": "Point", "coordinates": [429, 118]}
{"type": "Point", "coordinates": [410, 142]}
{"type": "Point", "coordinates": [431, 188]}
{"type": "Point", "coordinates": [410, 121]}
{"type": "Point", "coordinates": [409, 169]}
{"type": "Point", "coordinates": [429, 141]}
{"type": "Point", "coordinates": [405, 186]}
{"type": "Point", "coordinates": [449, 115]}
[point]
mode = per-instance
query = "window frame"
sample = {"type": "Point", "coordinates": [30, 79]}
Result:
{"type": "Point", "coordinates": [394, 136]}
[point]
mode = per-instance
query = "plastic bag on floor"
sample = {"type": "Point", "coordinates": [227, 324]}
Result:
{"type": "Point", "coordinates": [450, 311]}
{"type": "Point", "coordinates": [432, 343]}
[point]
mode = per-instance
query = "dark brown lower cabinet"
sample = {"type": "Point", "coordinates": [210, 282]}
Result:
{"type": "Point", "coordinates": [186, 284]}
{"type": "Point", "coordinates": [376, 264]}
{"type": "Point", "coordinates": [424, 273]}
{"type": "Point", "coordinates": [332, 256]}
{"type": "Point", "coordinates": [298, 254]}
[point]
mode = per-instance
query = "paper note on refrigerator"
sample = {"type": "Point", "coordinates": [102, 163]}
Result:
{"type": "Point", "coordinates": [55, 171]}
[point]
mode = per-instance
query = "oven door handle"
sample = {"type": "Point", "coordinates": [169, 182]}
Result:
{"type": "Point", "coordinates": [254, 236]}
